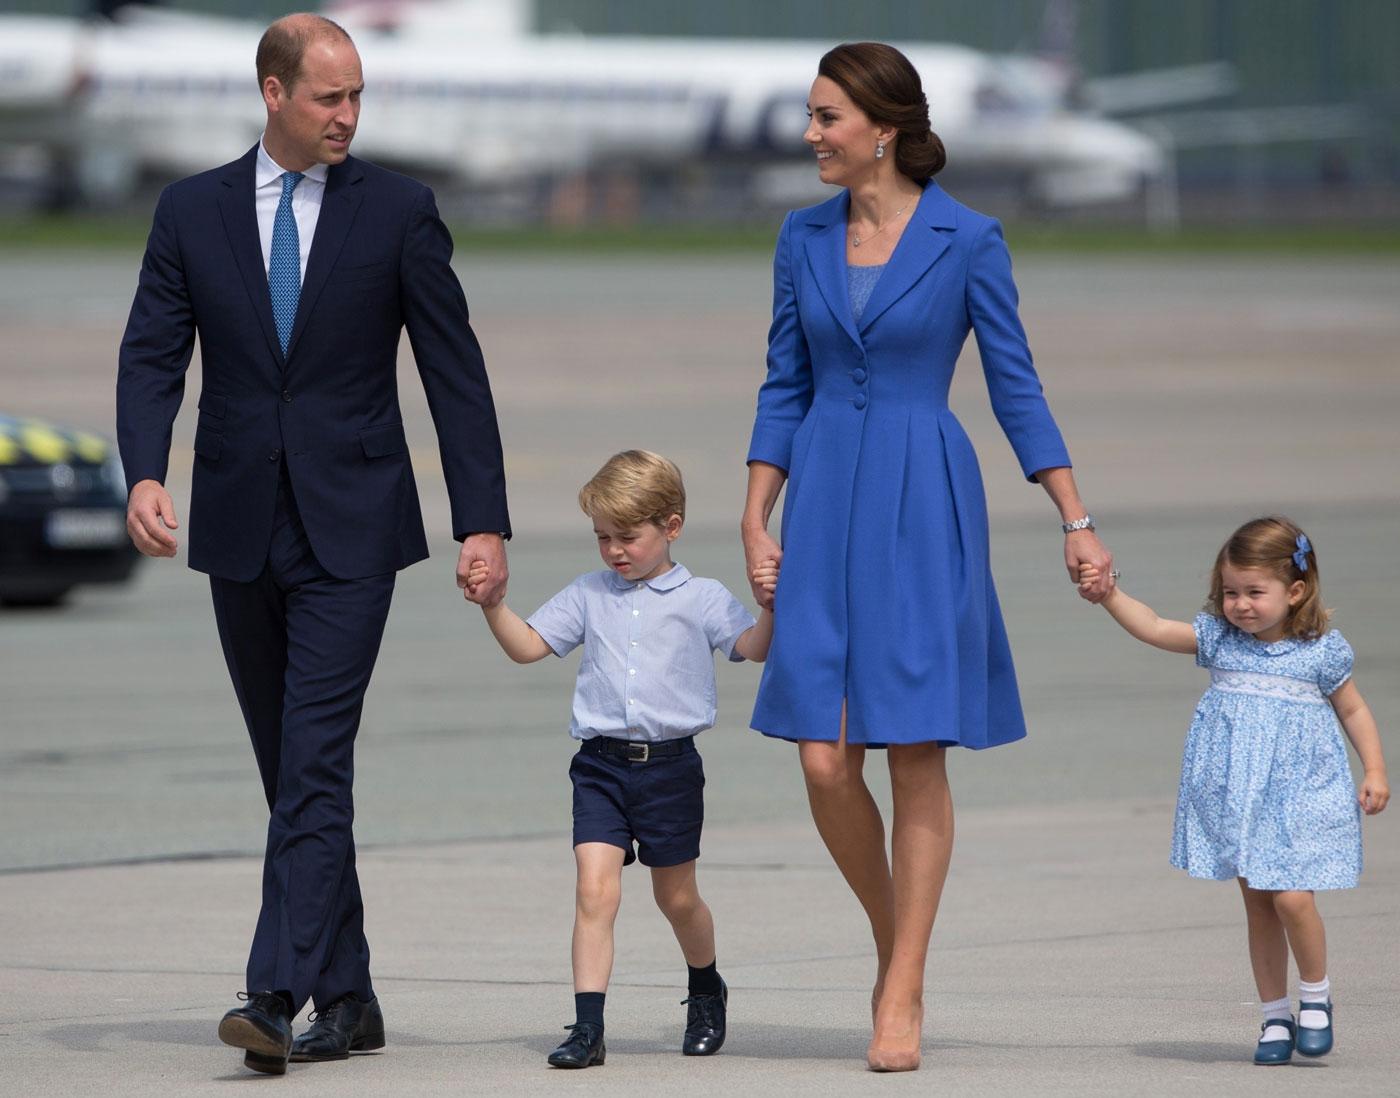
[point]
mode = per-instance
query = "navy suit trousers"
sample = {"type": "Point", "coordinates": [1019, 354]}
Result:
{"type": "Point", "coordinates": [300, 646]}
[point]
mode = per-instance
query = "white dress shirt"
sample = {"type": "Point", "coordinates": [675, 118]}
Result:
{"type": "Point", "coordinates": [306, 203]}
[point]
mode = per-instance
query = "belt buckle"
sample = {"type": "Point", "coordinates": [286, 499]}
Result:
{"type": "Point", "coordinates": [634, 748]}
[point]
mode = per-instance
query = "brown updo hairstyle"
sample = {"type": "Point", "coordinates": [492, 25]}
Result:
{"type": "Point", "coordinates": [1268, 544]}
{"type": "Point", "coordinates": [882, 83]}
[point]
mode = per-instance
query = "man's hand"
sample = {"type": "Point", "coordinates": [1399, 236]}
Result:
{"type": "Point", "coordinates": [150, 516]}
{"type": "Point", "coordinates": [481, 569]}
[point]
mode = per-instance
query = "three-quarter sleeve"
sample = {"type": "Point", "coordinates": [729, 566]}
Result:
{"type": "Point", "coordinates": [786, 393]}
{"type": "Point", "coordinates": [1017, 398]}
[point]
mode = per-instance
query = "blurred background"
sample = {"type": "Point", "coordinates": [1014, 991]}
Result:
{"type": "Point", "coordinates": [574, 113]}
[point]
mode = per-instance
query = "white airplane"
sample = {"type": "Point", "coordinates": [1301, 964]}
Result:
{"type": "Point", "coordinates": [462, 89]}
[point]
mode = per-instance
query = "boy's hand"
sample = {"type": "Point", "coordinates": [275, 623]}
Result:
{"type": "Point", "coordinates": [765, 577]}
{"type": "Point", "coordinates": [1375, 792]}
{"type": "Point", "coordinates": [1088, 576]}
{"type": "Point", "coordinates": [477, 576]}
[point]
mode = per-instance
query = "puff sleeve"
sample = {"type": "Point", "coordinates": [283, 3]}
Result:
{"type": "Point", "coordinates": [1209, 632]}
{"type": "Point", "coordinates": [1336, 664]}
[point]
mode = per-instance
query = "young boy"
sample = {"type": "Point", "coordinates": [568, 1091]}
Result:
{"type": "Point", "coordinates": [646, 686]}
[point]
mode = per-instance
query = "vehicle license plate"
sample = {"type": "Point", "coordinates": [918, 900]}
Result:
{"type": "Point", "coordinates": [85, 529]}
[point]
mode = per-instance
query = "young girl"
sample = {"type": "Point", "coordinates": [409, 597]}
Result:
{"type": "Point", "coordinates": [1266, 793]}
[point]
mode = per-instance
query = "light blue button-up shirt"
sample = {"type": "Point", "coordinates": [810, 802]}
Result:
{"type": "Point", "coordinates": [648, 669]}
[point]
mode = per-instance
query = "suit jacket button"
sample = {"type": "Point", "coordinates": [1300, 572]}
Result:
{"type": "Point", "coordinates": [859, 401]}
{"type": "Point", "coordinates": [274, 455]}
{"type": "Point", "coordinates": [858, 375]}
{"type": "Point", "coordinates": [286, 396]}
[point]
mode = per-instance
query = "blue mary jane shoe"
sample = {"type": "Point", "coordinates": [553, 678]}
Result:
{"type": "Point", "coordinates": [1315, 1042]}
{"type": "Point", "coordinates": [1276, 1052]}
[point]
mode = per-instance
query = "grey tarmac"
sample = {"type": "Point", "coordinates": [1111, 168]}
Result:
{"type": "Point", "coordinates": [1068, 956]}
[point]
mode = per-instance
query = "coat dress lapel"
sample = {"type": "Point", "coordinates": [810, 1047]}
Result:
{"type": "Point", "coordinates": [238, 209]}
{"type": "Point", "coordinates": [826, 256]}
{"type": "Point", "coordinates": [918, 249]}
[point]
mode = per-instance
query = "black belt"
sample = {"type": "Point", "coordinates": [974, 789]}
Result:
{"type": "Point", "coordinates": [637, 752]}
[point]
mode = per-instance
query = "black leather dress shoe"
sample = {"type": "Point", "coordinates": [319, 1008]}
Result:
{"type": "Point", "coordinates": [262, 1028]}
{"type": "Point", "coordinates": [705, 1022]}
{"type": "Point", "coordinates": [582, 1048]}
{"type": "Point", "coordinates": [345, 1026]}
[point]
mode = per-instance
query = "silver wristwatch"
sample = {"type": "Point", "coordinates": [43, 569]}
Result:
{"type": "Point", "coordinates": [1085, 523]}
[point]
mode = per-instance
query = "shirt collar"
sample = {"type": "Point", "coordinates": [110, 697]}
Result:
{"type": "Point", "coordinates": [268, 170]}
{"type": "Point", "coordinates": [667, 581]}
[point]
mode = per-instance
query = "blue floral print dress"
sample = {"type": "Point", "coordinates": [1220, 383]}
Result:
{"type": "Point", "coordinates": [1266, 790]}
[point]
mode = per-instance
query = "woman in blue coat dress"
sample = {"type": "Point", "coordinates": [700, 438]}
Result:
{"type": "Point", "coordinates": [888, 632]}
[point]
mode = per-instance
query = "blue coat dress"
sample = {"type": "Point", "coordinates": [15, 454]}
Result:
{"type": "Point", "coordinates": [885, 597]}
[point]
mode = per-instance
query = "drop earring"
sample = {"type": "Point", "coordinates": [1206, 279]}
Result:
{"type": "Point", "coordinates": [879, 150]}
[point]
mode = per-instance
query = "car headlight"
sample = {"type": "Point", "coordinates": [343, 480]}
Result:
{"type": "Point", "coordinates": [116, 478]}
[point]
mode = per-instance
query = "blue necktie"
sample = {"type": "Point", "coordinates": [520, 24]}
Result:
{"type": "Point", "coordinates": [284, 268]}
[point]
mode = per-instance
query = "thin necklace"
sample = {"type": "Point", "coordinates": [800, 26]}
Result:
{"type": "Point", "coordinates": [856, 241]}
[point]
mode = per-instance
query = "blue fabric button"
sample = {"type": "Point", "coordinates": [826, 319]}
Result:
{"type": "Point", "coordinates": [859, 400]}
{"type": "Point", "coordinates": [858, 375]}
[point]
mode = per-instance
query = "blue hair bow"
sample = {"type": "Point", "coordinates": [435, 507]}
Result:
{"type": "Point", "coordinates": [1300, 557]}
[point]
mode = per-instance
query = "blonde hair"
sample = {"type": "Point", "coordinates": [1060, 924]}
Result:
{"type": "Point", "coordinates": [1269, 544]}
{"type": "Point", "coordinates": [634, 487]}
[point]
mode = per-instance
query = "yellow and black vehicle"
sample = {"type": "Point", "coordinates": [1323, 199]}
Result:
{"type": "Point", "coordinates": [62, 512]}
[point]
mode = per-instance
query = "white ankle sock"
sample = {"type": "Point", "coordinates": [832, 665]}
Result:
{"type": "Point", "coordinates": [1320, 992]}
{"type": "Point", "coordinates": [1277, 1010]}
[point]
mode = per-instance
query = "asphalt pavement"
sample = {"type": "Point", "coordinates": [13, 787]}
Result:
{"type": "Point", "coordinates": [1068, 956]}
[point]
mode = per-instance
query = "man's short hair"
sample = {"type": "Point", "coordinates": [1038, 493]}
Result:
{"type": "Point", "coordinates": [283, 45]}
{"type": "Point", "coordinates": [634, 487]}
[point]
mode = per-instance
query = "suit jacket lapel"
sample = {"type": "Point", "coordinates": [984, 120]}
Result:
{"type": "Point", "coordinates": [918, 249]}
{"type": "Point", "coordinates": [338, 208]}
{"type": "Point", "coordinates": [238, 209]}
{"type": "Point", "coordinates": [826, 255]}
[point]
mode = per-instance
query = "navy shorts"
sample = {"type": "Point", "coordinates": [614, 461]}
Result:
{"type": "Point", "coordinates": [658, 804]}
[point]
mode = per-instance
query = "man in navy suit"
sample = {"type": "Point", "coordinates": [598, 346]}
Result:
{"type": "Point", "coordinates": [298, 266]}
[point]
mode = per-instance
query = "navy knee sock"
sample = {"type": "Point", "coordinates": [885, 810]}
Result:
{"type": "Point", "coordinates": [588, 1005]}
{"type": "Point", "coordinates": [704, 981]}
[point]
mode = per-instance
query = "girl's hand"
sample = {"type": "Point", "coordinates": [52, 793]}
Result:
{"type": "Point", "coordinates": [1084, 547]}
{"type": "Point", "coordinates": [765, 576]}
{"type": "Point", "coordinates": [1089, 584]}
{"type": "Point", "coordinates": [1375, 792]}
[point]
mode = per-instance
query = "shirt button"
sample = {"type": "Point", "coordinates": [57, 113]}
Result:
{"type": "Point", "coordinates": [858, 375]}
{"type": "Point", "coordinates": [631, 702]}
{"type": "Point", "coordinates": [631, 670]}
{"type": "Point", "coordinates": [634, 644]}
{"type": "Point", "coordinates": [635, 613]}
{"type": "Point", "coordinates": [273, 455]}
{"type": "Point", "coordinates": [859, 401]}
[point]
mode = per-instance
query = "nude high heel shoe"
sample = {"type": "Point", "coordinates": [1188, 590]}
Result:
{"type": "Point", "coordinates": [896, 1051]}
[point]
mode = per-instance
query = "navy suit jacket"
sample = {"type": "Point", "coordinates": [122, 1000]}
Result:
{"type": "Point", "coordinates": [329, 408]}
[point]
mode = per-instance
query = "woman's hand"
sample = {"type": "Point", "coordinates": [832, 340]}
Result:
{"type": "Point", "coordinates": [1084, 549]}
{"type": "Point", "coordinates": [762, 557]}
